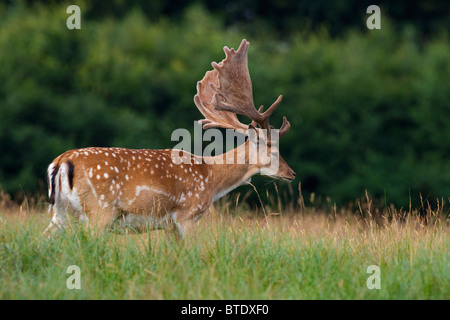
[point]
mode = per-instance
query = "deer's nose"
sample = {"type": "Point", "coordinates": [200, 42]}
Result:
{"type": "Point", "coordinates": [293, 173]}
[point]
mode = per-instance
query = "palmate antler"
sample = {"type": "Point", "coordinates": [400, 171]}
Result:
{"type": "Point", "coordinates": [227, 91]}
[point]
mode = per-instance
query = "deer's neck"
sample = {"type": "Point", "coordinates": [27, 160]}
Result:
{"type": "Point", "coordinates": [230, 170]}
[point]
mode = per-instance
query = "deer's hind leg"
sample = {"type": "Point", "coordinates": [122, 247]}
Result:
{"type": "Point", "coordinates": [59, 221]}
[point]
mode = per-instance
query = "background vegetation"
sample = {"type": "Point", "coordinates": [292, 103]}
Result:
{"type": "Point", "coordinates": [369, 109]}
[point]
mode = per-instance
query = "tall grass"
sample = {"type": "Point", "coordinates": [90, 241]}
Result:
{"type": "Point", "coordinates": [231, 254]}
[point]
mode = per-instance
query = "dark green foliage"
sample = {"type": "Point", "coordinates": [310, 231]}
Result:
{"type": "Point", "coordinates": [369, 109]}
{"type": "Point", "coordinates": [278, 17]}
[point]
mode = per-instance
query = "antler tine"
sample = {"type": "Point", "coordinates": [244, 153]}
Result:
{"type": "Point", "coordinates": [264, 117]}
{"type": "Point", "coordinates": [268, 112]}
{"type": "Point", "coordinates": [254, 123]}
{"type": "Point", "coordinates": [284, 127]}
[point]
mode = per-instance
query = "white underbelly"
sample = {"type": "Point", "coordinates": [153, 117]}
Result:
{"type": "Point", "coordinates": [141, 223]}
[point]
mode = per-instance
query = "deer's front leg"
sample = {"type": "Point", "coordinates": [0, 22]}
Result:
{"type": "Point", "coordinates": [184, 220]}
{"type": "Point", "coordinates": [180, 229]}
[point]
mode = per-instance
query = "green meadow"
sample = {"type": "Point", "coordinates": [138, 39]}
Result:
{"type": "Point", "coordinates": [233, 253]}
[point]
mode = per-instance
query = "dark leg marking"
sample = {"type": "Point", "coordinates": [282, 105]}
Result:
{"type": "Point", "coordinates": [70, 173]}
{"type": "Point", "coordinates": [52, 181]}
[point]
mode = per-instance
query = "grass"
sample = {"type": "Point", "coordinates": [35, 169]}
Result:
{"type": "Point", "coordinates": [232, 254]}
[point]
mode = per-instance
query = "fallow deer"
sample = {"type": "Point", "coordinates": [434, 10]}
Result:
{"type": "Point", "coordinates": [146, 189]}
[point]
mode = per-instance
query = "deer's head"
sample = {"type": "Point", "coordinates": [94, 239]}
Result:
{"type": "Point", "coordinates": [225, 92]}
